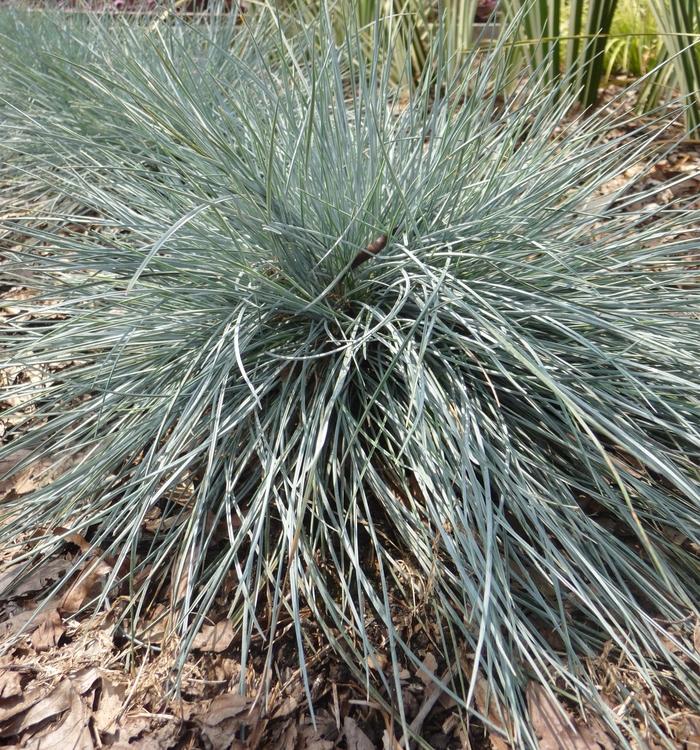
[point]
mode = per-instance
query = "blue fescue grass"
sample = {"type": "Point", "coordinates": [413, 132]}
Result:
{"type": "Point", "coordinates": [362, 352]}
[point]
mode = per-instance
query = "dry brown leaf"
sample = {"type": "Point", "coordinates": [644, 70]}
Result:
{"type": "Point", "coordinates": [226, 669]}
{"type": "Point", "coordinates": [428, 669]}
{"type": "Point", "coordinates": [128, 730]}
{"type": "Point", "coordinates": [89, 579]}
{"type": "Point", "coordinates": [111, 700]}
{"type": "Point", "coordinates": [687, 732]}
{"type": "Point", "coordinates": [309, 740]}
{"type": "Point", "coordinates": [15, 706]}
{"type": "Point", "coordinates": [41, 473]}
{"type": "Point", "coordinates": [10, 683]}
{"type": "Point", "coordinates": [696, 636]}
{"type": "Point", "coordinates": [377, 661]}
{"type": "Point", "coordinates": [34, 477]}
{"type": "Point", "coordinates": [216, 638]}
{"type": "Point", "coordinates": [51, 720]}
{"type": "Point", "coordinates": [156, 628]}
{"type": "Point", "coordinates": [555, 729]}
{"type": "Point", "coordinates": [314, 738]}
{"type": "Point", "coordinates": [355, 738]}
{"type": "Point", "coordinates": [48, 707]}
{"type": "Point", "coordinates": [49, 631]}
{"type": "Point", "coordinates": [9, 463]}
{"type": "Point", "coordinates": [223, 719]}
{"type": "Point", "coordinates": [73, 731]}
{"type": "Point", "coordinates": [36, 580]}
{"type": "Point", "coordinates": [179, 584]}
{"type": "Point", "coordinates": [160, 738]}
{"type": "Point", "coordinates": [288, 706]}
{"type": "Point", "coordinates": [288, 738]}
{"type": "Point", "coordinates": [224, 707]}
{"type": "Point", "coordinates": [73, 537]}
{"type": "Point", "coordinates": [13, 624]}
{"type": "Point", "coordinates": [84, 679]}
{"type": "Point", "coordinates": [486, 706]}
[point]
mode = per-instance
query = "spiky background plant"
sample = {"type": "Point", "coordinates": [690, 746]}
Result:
{"type": "Point", "coordinates": [357, 356]}
{"type": "Point", "coordinates": [577, 36]}
{"type": "Point", "coordinates": [634, 46]}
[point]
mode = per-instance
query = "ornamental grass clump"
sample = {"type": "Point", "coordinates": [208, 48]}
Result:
{"type": "Point", "coordinates": [358, 361]}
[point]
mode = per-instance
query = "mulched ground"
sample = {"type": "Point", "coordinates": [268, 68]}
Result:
{"type": "Point", "coordinates": [74, 680]}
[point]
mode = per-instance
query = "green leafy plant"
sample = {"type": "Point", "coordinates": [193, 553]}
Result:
{"type": "Point", "coordinates": [584, 40]}
{"type": "Point", "coordinates": [634, 46]}
{"type": "Point", "coordinates": [575, 53]}
{"type": "Point", "coordinates": [678, 22]}
{"type": "Point", "coordinates": [372, 362]}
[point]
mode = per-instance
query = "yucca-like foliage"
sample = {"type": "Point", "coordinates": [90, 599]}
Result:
{"type": "Point", "coordinates": [577, 36]}
{"type": "Point", "coordinates": [679, 24]}
{"type": "Point", "coordinates": [634, 47]}
{"type": "Point", "coordinates": [368, 361]}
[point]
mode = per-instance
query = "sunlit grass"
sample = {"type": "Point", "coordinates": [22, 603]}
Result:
{"type": "Point", "coordinates": [491, 421]}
